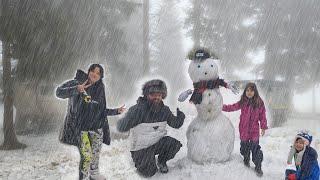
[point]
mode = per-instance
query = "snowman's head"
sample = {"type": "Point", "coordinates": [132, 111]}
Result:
{"type": "Point", "coordinates": [203, 70]}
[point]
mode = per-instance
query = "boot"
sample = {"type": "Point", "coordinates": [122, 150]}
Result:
{"type": "Point", "coordinates": [97, 177]}
{"type": "Point", "coordinates": [258, 171]}
{"type": "Point", "coordinates": [83, 175]}
{"type": "Point", "coordinates": [163, 167]}
{"type": "Point", "coordinates": [246, 162]}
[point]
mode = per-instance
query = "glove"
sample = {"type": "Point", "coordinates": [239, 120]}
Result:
{"type": "Point", "coordinates": [180, 114]}
{"type": "Point", "coordinates": [184, 95]}
{"type": "Point", "coordinates": [234, 88]}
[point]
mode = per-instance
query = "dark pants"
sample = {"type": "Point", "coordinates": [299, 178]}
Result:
{"type": "Point", "coordinates": [249, 146]}
{"type": "Point", "coordinates": [144, 159]}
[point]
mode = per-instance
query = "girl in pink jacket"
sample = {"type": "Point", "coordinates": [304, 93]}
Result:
{"type": "Point", "coordinates": [252, 119]}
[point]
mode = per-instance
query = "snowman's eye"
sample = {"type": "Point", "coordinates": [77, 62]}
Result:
{"type": "Point", "coordinates": [211, 65]}
{"type": "Point", "coordinates": [198, 66]}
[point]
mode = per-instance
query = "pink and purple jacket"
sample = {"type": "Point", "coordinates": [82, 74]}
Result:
{"type": "Point", "coordinates": [249, 120]}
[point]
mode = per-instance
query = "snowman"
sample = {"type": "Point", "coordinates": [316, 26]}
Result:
{"type": "Point", "coordinates": [211, 134]}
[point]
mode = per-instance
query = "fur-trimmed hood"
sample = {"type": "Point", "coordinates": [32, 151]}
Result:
{"type": "Point", "coordinates": [155, 86]}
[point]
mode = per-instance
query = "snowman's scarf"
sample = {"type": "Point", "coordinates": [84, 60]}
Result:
{"type": "Point", "coordinates": [201, 86]}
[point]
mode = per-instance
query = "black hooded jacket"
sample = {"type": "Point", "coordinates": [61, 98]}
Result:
{"type": "Point", "coordinates": [81, 115]}
{"type": "Point", "coordinates": [143, 112]}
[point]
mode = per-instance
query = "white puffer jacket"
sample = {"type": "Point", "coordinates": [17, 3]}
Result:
{"type": "Point", "coordinates": [147, 134]}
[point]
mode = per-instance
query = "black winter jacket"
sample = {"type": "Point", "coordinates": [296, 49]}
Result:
{"type": "Point", "coordinates": [143, 112]}
{"type": "Point", "coordinates": [83, 116]}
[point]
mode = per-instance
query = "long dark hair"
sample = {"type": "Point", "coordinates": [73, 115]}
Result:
{"type": "Point", "coordinates": [256, 99]}
{"type": "Point", "coordinates": [97, 88]}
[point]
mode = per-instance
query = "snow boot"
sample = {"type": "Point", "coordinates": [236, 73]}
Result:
{"type": "Point", "coordinates": [258, 171]}
{"type": "Point", "coordinates": [246, 162]}
{"type": "Point", "coordinates": [97, 177]}
{"type": "Point", "coordinates": [163, 167]}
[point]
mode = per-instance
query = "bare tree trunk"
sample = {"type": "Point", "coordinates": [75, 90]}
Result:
{"type": "Point", "coordinates": [10, 138]}
{"type": "Point", "coordinates": [146, 52]}
{"type": "Point", "coordinates": [196, 26]}
{"type": "Point", "coordinates": [269, 69]}
{"type": "Point", "coordinates": [314, 99]}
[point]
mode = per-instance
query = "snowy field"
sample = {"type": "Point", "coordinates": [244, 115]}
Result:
{"type": "Point", "coordinates": [46, 158]}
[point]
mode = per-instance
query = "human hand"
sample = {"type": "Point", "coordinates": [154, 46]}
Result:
{"type": "Point", "coordinates": [81, 88]}
{"type": "Point", "coordinates": [121, 109]}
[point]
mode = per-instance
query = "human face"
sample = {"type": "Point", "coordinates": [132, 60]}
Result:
{"type": "Point", "coordinates": [94, 75]}
{"type": "Point", "coordinates": [299, 144]}
{"type": "Point", "coordinates": [249, 92]}
{"type": "Point", "coordinates": [155, 97]}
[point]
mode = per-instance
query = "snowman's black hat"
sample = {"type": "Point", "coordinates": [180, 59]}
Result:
{"type": "Point", "coordinates": [200, 54]}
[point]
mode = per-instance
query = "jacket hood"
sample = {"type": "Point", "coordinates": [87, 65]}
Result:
{"type": "Point", "coordinates": [81, 76]}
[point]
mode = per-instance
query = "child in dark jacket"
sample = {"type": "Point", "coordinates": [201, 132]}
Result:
{"type": "Point", "coordinates": [305, 159]}
{"type": "Point", "coordinates": [86, 121]}
{"type": "Point", "coordinates": [253, 114]}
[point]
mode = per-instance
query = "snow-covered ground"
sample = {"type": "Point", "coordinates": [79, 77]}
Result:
{"type": "Point", "coordinates": [46, 158]}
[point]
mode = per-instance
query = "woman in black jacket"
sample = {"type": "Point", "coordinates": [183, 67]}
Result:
{"type": "Point", "coordinates": [86, 124]}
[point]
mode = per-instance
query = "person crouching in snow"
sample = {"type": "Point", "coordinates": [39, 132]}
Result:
{"type": "Point", "coordinates": [86, 124]}
{"type": "Point", "coordinates": [253, 112]}
{"type": "Point", "coordinates": [305, 159]}
{"type": "Point", "coordinates": [147, 122]}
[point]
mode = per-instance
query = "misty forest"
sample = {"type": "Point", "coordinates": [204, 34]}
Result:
{"type": "Point", "coordinates": [273, 43]}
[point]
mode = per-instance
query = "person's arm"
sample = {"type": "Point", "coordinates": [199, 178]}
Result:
{"type": "Point", "coordinates": [231, 107]}
{"type": "Point", "coordinates": [111, 112]}
{"type": "Point", "coordinates": [67, 89]}
{"type": "Point", "coordinates": [291, 155]}
{"type": "Point", "coordinates": [263, 118]}
{"type": "Point", "coordinates": [131, 119]}
{"type": "Point", "coordinates": [175, 121]}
